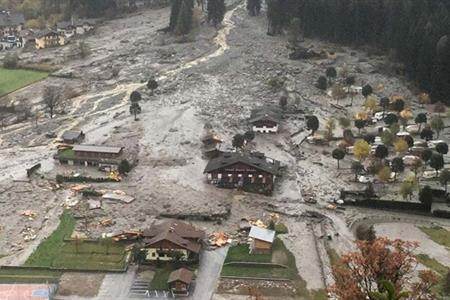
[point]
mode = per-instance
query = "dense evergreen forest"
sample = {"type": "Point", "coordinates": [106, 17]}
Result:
{"type": "Point", "coordinates": [417, 31]}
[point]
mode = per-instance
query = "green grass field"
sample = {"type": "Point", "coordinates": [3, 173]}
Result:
{"type": "Point", "coordinates": [240, 253]}
{"type": "Point", "coordinates": [11, 80]}
{"type": "Point", "coordinates": [56, 253]}
{"type": "Point", "coordinates": [438, 235]}
{"type": "Point", "coordinates": [28, 276]}
{"type": "Point", "coordinates": [159, 281]}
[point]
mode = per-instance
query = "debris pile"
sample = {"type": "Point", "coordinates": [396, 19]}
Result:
{"type": "Point", "coordinates": [29, 214]}
{"type": "Point", "coordinates": [28, 234]}
{"type": "Point", "coordinates": [219, 239]}
{"type": "Point", "coordinates": [127, 235]}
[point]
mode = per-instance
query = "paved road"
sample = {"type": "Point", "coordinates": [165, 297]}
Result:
{"type": "Point", "coordinates": [117, 286]}
{"type": "Point", "coordinates": [210, 267]}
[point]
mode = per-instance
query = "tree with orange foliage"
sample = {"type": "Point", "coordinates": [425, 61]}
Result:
{"type": "Point", "coordinates": [363, 271]}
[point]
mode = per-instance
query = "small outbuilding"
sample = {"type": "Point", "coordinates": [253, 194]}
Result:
{"type": "Point", "coordinates": [73, 136]}
{"type": "Point", "coordinates": [262, 240]}
{"type": "Point", "coordinates": [180, 281]}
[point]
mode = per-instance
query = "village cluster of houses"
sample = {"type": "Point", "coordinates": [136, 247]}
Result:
{"type": "Point", "coordinates": [175, 241]}
{"type": "Point", "coordinates": [14, 35]}
{"type": "Point", "coordinates": [250, 171]}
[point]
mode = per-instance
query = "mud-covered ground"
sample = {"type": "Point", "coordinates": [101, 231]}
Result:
{"type": "Point", "coordinates": [211, 79]}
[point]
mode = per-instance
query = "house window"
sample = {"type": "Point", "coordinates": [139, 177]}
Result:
{"type": "Point", "coordinates": [153, 254]}
{"type": "Point", "coordinates": [219, 176]}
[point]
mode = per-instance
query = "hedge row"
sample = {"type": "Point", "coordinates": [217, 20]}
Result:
{"type": "Point", "coordinates": [61, 179]}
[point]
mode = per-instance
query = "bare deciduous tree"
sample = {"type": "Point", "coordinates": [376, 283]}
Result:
{"type": "Point", "coordinates": [52, 99]}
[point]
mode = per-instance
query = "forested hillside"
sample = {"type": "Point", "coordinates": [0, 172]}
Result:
{"type": "Point", "coordinates": [33, 9]}
{"type": "Point", "coordinates": [417, 30]}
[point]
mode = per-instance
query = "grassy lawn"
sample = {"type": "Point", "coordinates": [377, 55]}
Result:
{"type": "Point", "coordinates": [319, 294]}
{"type": "Point", "coordinates": [50, 247]}
{"type": "Point", "coordinates": [55, 252]}
{"type": "Point", "coordinates": [432, 264]}
{"type": "Point", "coordinates": [28, 276]}
{"type": "Point", "coordinates": [438, 235]}
{"type": "Point", "coordinates": [280, 228]}
{"type": "Point", "coordinates": [240, 253]}
{"type": "Point", "coordinates": [159, 281]}
{"type": "Point", "coordinates": [439, 268]}
{"type": "Point", "coordinates": [67, 154]}
{"type": "Point", "coordinates": [335, 259]}
{"type": "Point", "coordinates": [11, 80]}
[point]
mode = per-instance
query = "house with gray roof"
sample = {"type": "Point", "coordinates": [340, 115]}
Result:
{"type": "Point", "coordinates": [253, 172]}
{"type": "Point", "coordinates": [76, 27]}
{"type": "Point", "coordinates": [73, 136]}
{"type": "Point", "coordinates": [104, 157]}
{"type": "Point", "coordinates": [266, 119]}
{"type": "Point", "coordinates": [11, 22]}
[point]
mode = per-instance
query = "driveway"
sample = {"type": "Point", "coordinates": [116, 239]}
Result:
{"type": "Point", "coordinates": [117, 286]}
{"type": "Point", "coordinates": [209, 272]}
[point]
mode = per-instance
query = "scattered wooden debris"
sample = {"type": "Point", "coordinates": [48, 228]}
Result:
{"type": "Point", "coordinates": [117, 196]}
{"type": "Point", "coordinates": [106, 222]}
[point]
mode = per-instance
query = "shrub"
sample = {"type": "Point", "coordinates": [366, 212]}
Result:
{"type": "Point", "coordinates": [60, 179]}
{"type": "Point", "coordinates": [124, 167]}
{"type": "Point", "coordinates": [83, 49]}
{"type": "Point", "coordinates": [276, 83]}
{"type": "Point", "coordinates": [280, 228]}
{"type": "Point", "coordinates": [365, 233]}
{"type": "Point", "coordinates": [11, 61]}
{"type": "Point", "coordinates": [92, 193]}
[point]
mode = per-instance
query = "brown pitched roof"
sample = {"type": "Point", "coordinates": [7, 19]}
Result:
{"type": "Point", "coordinates": [182, 229]}
{"type": "Point", "coordinates": [182, 274]}
{"type": "Point", "coordinates": [255, 159]}
{"type": "Point", "coordinates": [176, 232]}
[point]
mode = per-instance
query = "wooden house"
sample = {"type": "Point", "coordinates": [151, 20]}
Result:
{"type": "Point", "coordinates": [265, 119]}
{"type": "Point", "coordinates": [252, 171]}
{"type": "Point", "coordinates": [173, 240]}
{"type": "Point", "coordinates": [262, 240]}
{"type": "Point", "coordinates": [49, 38]}
{"type": "Point", "coordinates": [105, 157]}
{"type": "Point", "coordinates": [180, 282]}
{"type": "Point", "coordinates": [73, 136]}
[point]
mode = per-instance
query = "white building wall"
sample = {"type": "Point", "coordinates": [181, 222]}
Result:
{"type": "Point", "coordinates": [265, 129]}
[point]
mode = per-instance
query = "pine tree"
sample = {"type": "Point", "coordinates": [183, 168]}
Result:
{"type": "Point", "coordinates": [216, 11]}
{"type": "Point", "coordinates": [184, 21]}
{"type": "Point", "coordinates": [253, 7]}
{"type": "Point", "coordinates": [174, 13]}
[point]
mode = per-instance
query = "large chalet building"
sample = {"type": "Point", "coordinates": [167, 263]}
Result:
{"type": "Point", "coordinates": [172, 240]}
{"type": "Point", "coordinates": [49, 38]}
{"type": "Point", "coordinates": [104, 157]}
{"type": "Point", "coordinates": [252, 172]}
